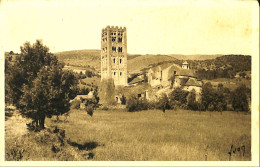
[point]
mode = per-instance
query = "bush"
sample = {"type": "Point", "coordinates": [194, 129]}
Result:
{"type": "Point", "coordinates": [163, 103]}
{"type": "Point", "coordinates": [178, 98]}
{"type": "Point", "coordinates": [136, 104]}
{"type": "Point", "coordinates": [191, 101]}
{"type": "Point", "coordinates": [75, 104]}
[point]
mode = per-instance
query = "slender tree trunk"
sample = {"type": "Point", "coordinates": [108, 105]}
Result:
{"type": "Point", "coordinates": [42, 120]}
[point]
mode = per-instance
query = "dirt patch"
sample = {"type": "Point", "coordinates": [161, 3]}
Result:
{"type": "Point", "coordinates": [16, 125]}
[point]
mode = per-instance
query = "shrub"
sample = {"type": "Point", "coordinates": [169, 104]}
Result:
{"type": "Point", "coordinates": [178, 98]}
{"type": "Point", "coordinates": [136, 104]}
{"type": "Point", "coordinates": [191, 101]}
{"type": "Point", "coordinates": [163, 103]}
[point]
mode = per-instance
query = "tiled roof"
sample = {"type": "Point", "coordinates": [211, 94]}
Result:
{"type": "Point", "coordinates": [193, 82]}
{"type": "Point", "coordinates": [136, 80]}
{"type": "Point", "coordinates": [186, 72]}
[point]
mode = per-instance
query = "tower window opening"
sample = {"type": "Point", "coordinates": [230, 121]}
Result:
{"type": "Point", "coordinates": [120, 49]}
{"type": "Point", "coordinates": [114, 60]}
{"type": "Point", "coordinates": [114, 48]}
{"type": "Point", "coordinates": [111, 33]}
{"type": "Point", "coordinates": [114, 33]}
{"type": "Point", "coordinates": [120, 61]}
{"type": "Point", "coordinates": [120, 73]}
{"type": "Point", "coordinates": [114, 73]}
{"type": "Point", "coordinates": [119, 39]}
{"type": "Point", "coordinates": [174, 72]}
{"type": "Point", "coordinates": [113, 39]}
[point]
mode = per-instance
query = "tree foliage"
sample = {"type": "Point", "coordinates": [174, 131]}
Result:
{"type": "Point", "coordinates": [178, 98]}
{"type": "Point", "coordinates": [163, 103]}
{"type": "Point", "coordinates": [240, 98]}
{"type": "Point", "coordinates": [92, 104]}
{"type": "Point", "coordinates": [37, 84]}
{"type": "Point", "coordinates": [136, 104]}
{"type": "Point", "coordinates": [191, 100]}
{"type": "Point", "coordinates": [107, 91]}
{"type": "Point", "coordinates": [223, 67]}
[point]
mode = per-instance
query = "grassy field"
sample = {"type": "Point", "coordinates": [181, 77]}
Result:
{"type": "Point", "coordinates": [146, 135]}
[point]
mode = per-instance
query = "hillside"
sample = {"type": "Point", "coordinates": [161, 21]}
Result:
{"type": "Point", "coordinates": [195, 57]}
{"type": "Point", "coordinates": [83, 58]}
{"type": "Point", "coordinates": [136, 64]}
{"type": "Point", "coordinates": [91, 58]}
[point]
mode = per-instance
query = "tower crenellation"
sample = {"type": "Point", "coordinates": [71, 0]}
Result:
{"type": "Point", "coordinates": [114, 54]}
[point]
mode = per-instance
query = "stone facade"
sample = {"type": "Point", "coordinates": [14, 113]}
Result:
{"type": "Point", "coordinates": [114, 55]}
{"type": "Point", "coordinates": [183, 77]}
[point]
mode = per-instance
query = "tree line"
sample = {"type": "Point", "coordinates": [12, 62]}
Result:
{"type": "Point", "coordinates": [223, 67]}
{"type": "Point", "coordinates": [211, 99]}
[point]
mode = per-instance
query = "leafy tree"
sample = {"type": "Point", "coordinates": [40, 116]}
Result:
{"type": "Point", "coordinates": [136, 104]}
{"type": "Point", "coordinates": [132, 103]}
{"type": "Point", "coordinates": [191, 100]}
{"type": "Point", "coordinates": [92, 103]}
{"type": "Point", "coordinates": [49, 94]}
{"type": "Point", "coordinates": [163, 103]}
{"type": "Point", "coordinates": [221, 98]}
{"type": "Point", "coordinates": [178, 97]}
{"type": "Point", "coordinates": [24, 71]}
{"type": "Point", "coordinates": [207, 95]}
{"type": "Point", "coordinates": [239, 98]}
{"type": "Point", "coordinates": [38, 85]}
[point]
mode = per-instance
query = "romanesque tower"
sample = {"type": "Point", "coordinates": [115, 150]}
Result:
{"type": "Point", "coordinates": [114, 55]}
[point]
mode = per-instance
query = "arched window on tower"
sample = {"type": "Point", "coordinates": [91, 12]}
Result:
{"type": "Point", "coordinates": [114, 60]}
{"type": "Point", "coordinates": [114, 48]}
{"type": "Point", "coordinates": [120, 61]}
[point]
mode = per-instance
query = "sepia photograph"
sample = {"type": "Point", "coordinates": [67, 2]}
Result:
{"type": "Point", "coordinates": [144, 80]}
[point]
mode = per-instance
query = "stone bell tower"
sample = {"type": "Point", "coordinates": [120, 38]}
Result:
{"type": "Point", "coordinates": [114, 55]}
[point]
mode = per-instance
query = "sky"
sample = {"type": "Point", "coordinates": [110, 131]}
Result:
{"type": "Point", "coordinates": [153, 27]}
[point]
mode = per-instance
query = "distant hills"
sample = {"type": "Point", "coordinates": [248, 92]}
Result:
{"type": "Point", "coordinates": [91, 58]}
{"type": "Point", "coordinates": [136, 62]}
{"type": "Point", "coordinates": [84, 58]}
{"type": "Point", "coordinates": [195, 57]}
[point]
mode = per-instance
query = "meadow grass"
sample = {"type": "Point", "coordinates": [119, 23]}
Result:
{"type": "Point", "coordinates": [151, 135]}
